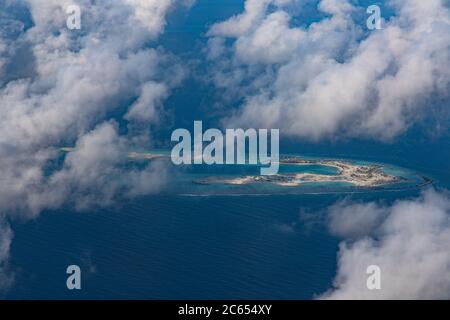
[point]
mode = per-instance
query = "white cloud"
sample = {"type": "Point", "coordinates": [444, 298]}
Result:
{"type": "Point", "coordinates": [66, 85]}
{"type": "Point", "coordinates": [146, 107]}
{"type": "Point", "coordinates": [334, 77]}
{"type": "Point", "coordinates": [272, 42]}
{"type": "Point", "coordinates": [151, 13]}
{"type": "Point", "coordinates": [96, 172]}
{"type": "Point", "coordinates": [410, 245]}
{"type": "Point", "coordinates": [78, 79]}
{"type": "Point", "coordinates": [352, 220]}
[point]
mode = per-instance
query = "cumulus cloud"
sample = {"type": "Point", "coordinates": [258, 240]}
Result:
{"type": "Point", "coordinates": [61, 87]}
{"type": "Point", "coordinates": [333, 76]}
{"type": "Point", "coordinates": [152, 13]}
{"type": "Point", "coordinates": [78, 79]}
{"type": "Point", "coordinates": [145, 108]}
{"type": "Point", "coordinates": [353, 220]}
{"type": "Point", "coordinates": [95, 172]}
{"type": "Point", "coordinates": [409, 244]}
{"type": "Point", "coordinates": [238, 25]}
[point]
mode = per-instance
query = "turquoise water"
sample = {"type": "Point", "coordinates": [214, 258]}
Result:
{"type": "Point", "coordinates": [204, 180]}
{"type": "Point", "coordinates": [317, 169]}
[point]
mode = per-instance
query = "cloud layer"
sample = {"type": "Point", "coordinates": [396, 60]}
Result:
{"type": "Point", "coordinates": [333, 77]}
{"type": "Point", "coordinates": [71, 85]}
{"type": "Point", "coordinates": [61, 87]}
{"type": "Point", "coordinates": [409, 243]}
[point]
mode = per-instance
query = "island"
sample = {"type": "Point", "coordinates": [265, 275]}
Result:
{"type": "Point", "coordinates": [347, 172]}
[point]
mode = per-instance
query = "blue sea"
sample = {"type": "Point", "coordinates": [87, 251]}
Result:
{"type": "Point", "coordinates": [197, 246]}
{"type": "Point", "coordinates": [234, 246]}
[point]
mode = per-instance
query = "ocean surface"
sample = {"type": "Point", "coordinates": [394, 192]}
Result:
{"type": "Point", "coordinates": [196, 246]}
{"type": "Point", "coordinates": [237, 246]}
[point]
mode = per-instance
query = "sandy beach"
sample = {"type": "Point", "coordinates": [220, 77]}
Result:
{"type": "Point", "coordinates": [357, 175]}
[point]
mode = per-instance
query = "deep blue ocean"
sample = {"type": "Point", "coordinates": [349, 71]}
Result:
{"type": "Point", "coordinates": [206, 247]}
{"type": "Point", "coordinates": [187, 247]}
